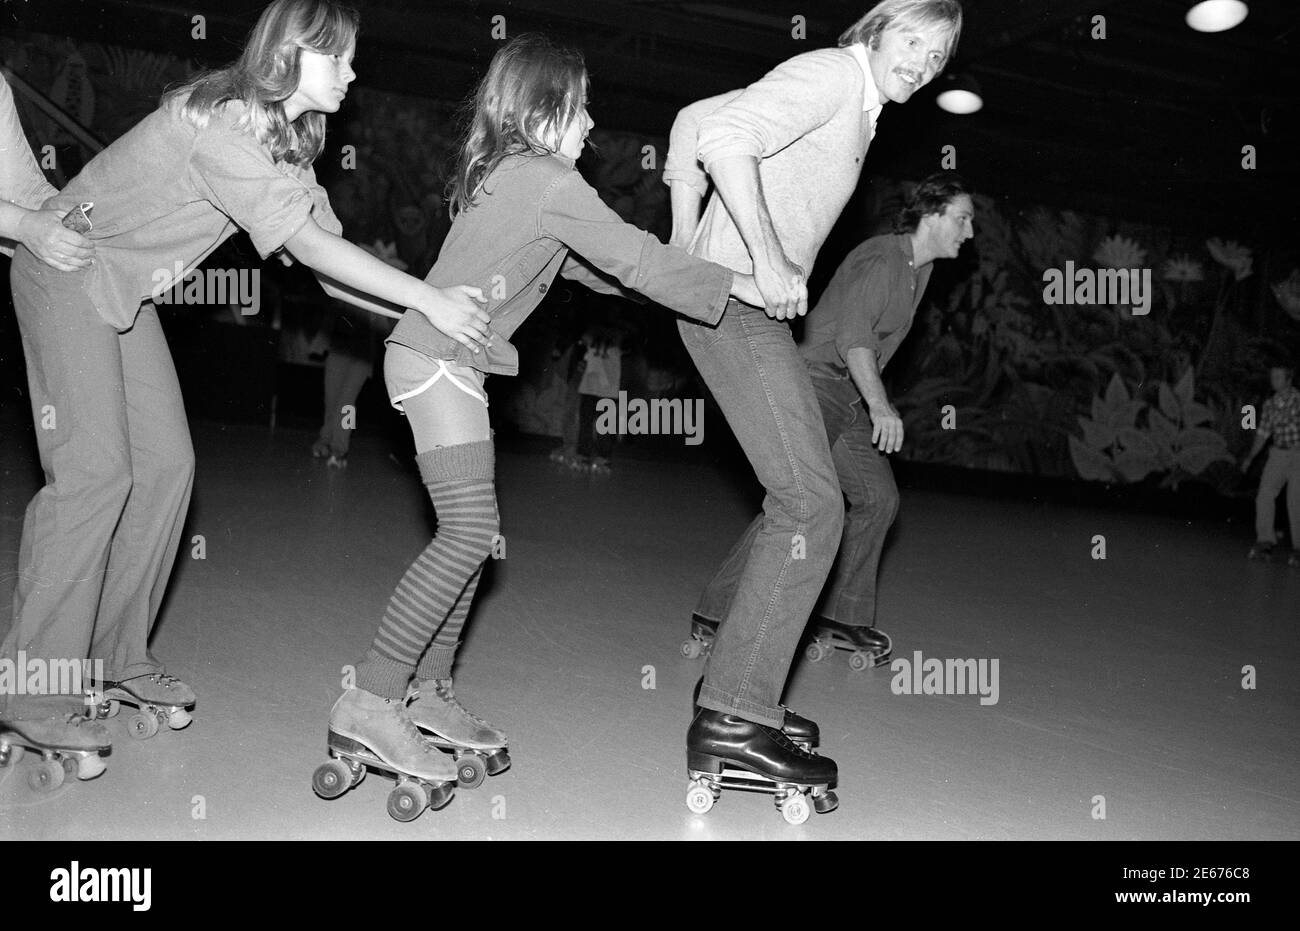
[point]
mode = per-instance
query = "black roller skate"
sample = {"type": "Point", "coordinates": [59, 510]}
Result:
{"type": "Point", "coordinates": [867, 646]}
{"type": "Point", "coordinates": [725, 751]}
{"type": "Point", "coordinates": [700, 642]}
{"type": "Point", "coordinates": [801, 730]}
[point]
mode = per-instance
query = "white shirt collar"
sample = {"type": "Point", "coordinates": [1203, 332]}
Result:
{"type": "Point", "coordinates": [871, 102]}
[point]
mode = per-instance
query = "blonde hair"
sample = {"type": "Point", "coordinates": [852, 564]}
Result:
{"type": "Point", "coordinates": [905, 14]}
{"type": "Point", "coordinates": [267, 74]}
{"type": "Point", "coordinates": [532, 88]}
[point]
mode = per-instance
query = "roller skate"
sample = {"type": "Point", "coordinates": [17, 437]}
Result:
{"type": "Point", "coordinates": [73, 745]}
{"type": "Point", "coordinates": [479, 748]}
{"type": "Point", "coordinates": [724, 751]}
{"type": "Point", "coordinates": [600, 466]}
{"type": "Point", "coordinates": [700, 642]}
{"type": "Point", "coordinates": [368, 731]}
{"type": "Point", "coordinates": [160, 698]}
{"type": "Point", "coordinates": [867, 646]}
{"type": "Point", "coordinates": [801, 730]}
{"type": "Point", "coordinates": [320, 449]}
{"type": "Point", "coordinates": [1262, 551]}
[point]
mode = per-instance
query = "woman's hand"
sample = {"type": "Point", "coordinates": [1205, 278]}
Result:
{"type": "Point", "coordinates": [743, 288]}
{"type": "Point", "coordinates": [43, 232]}
{"type": "Point", "coordinates": [458, 312]}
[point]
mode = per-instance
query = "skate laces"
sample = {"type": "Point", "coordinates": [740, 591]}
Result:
{"type": "Point", "coordinates": [785, 743]}
{"type": "Point", "coordinates": [443, 689]}
{"type": "Point", "coordinates": [408, 726]}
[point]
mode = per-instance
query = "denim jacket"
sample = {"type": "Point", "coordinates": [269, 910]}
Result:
{"type": "Point", "coordinates": [517, 237]}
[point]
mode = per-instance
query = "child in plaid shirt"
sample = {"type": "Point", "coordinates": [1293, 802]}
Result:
{"type": "Point", "coordinates": [1279, 420]}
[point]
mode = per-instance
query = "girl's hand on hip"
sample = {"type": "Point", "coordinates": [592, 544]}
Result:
{"type": "Point", "coordinates": [43, 232]}
{"type": "Point", "coordinates": [458, 312]}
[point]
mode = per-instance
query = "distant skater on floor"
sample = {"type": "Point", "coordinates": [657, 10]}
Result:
{"type": "Point", "coordinates": [1279, 421]}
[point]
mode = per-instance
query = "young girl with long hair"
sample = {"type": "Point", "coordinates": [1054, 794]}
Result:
{"type": "Point", "coordinates": [231, 149]}
{"type": "Point", "coordinates": [522, 215]}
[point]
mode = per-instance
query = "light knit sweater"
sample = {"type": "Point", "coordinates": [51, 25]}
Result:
{"type": "Point", "coordinates": [805, 121]}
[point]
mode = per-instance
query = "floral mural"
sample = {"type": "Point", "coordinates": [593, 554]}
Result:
{"type": "Point", "coordinates": [1091, 391]}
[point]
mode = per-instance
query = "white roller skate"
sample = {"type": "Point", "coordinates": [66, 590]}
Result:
{"type": "Point", "coordinates": [72, 745]}
{"type": "Point", "coordinates": [160, 698]}
{"type": "Point", "coordinates": [479, 748]}
{"type": "Point", "coordinates": [368, 731]}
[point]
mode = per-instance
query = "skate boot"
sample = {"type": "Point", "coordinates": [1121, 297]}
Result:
{"type": "Point", "coordinates": [72, 745]}
{"type": "Point", "coordinates": [366, 730]}
{"type": "Point", "coordinates": [479, 748]}
{"type": "Point", "coordinates": [700, 642]}
{"type": "Point", "coordinates": [1262, 551]}
{"type": "Point", "coordinates": [867, 646]}
{"type": "Point", "coordinates": [160, 698]}
{"type": "Point", "coordinates": [725, 751]}
{"type": "Point", "coordinates": [801, 730]}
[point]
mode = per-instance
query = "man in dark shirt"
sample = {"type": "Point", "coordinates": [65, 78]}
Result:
{"type": "Point", "coordinates": [850, 336]}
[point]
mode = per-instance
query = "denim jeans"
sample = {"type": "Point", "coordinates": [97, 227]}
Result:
{"type": "Point", "coordinates": [750, 363]}
{"type": "Point", "coordinates": [867, 482]}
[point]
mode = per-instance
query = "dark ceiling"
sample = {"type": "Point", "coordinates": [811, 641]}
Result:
{"type": "Point", "coordinates": [1148, 123]}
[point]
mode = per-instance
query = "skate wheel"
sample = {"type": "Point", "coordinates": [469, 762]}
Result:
{"type": "Point", "coordinates": [699, 798]}
{"type": "Point", "coordinates": [332, 779]}
{"type": "Point", "coordinates": [815, 652]}
{"type": "Point", "coordinates": [691, 649]}
{"type": "Point", "coordinates": [46, 776]}
{"type": "Point", "coordinates": [795, 809]}
{"type": "Point", "coordinates": [407, 801]}
{"type": "Point", "coordinates": [10, 755]}
{"type": "Point", "coordinates": [470, 771]}
{"type": "Point", "coordinates": [859, 661]}
{"type": "Point", "coordinates": [498, 762]}
{"type": "Point", "coordinates": [179, 719]}
{"type": "Point", "coordinates": [88, 767]}
{"type": "Point", "coordinates": [440, 795]}
{"type": "Point", "coordinates": [827, 801]}
{"type": "Point", "coordinates": [110, 708]}
{"type": "Point", "coordinates": [143, 726]}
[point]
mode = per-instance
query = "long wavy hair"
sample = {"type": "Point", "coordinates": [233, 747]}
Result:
{"type": "Point", "coordinates": [267, 74]}
{"type": "Point", "coordinates": [532, 90]}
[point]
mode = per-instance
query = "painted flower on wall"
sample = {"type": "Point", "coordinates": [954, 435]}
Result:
{"type": "Point", "coordinates": [1119, 252]}
{"type": "Point", "coordinates": [1234, 257]}
{"type": "Point", "coordinates": [386, 252]}
{"type": "Point", "coordinates": [1183, 269]}
{"type": "Point", "coordinates": [1288, 294]}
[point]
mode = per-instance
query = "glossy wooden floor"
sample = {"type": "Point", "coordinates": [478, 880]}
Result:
{"type": "Point", "coordinates": [1118, 680]}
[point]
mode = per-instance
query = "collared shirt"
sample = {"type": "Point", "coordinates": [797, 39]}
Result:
{"type": "Point", "coordinates": [21, 181]}
{"type": "Point", "coordinates": [870, 303]}
{"type": "Point", "coordinates": [167, 193]}
{"type": "Point", "coordinates": [807, 124]}
{"type": "Point", "coordinates": [1281, 418]}
{"type": "Point", "coordinates": [871, 102]}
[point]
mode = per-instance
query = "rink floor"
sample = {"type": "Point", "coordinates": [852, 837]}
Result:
{"type": "Point", "coordinates": [1120, 681]}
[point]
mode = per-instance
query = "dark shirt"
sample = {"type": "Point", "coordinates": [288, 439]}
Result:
{"type": "Point", "coordinates": [869, 304]}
